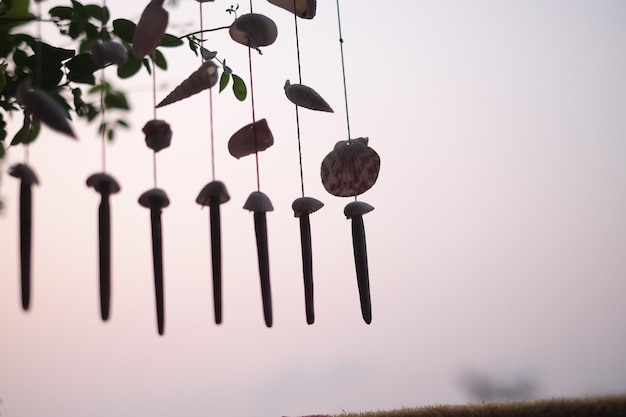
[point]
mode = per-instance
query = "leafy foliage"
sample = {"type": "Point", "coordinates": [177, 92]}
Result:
{"type": "Point", "coordinates": [70, 75]}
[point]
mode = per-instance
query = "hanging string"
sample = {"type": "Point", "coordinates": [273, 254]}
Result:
{"type": "Point", "coordinates": [256, 153]}
{"type": "Point", "coordinates": [295, 22]}
{"type": "Point", "coordinates": [343, 71]}
{"type": "Point", "coordinates": [37, 73]}
{"type": "Point", "coordinates": [103, 150]}
{"type": "Point", "coordinates": [212, 133]}
{"type": "Point", "coordinates": [154, 116]}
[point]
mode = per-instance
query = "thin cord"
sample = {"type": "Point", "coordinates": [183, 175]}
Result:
{"type": "Point", "coordinates": [295, 22]}
{"type": "Point", "coordinates": [103, 151]}
{"type": "Point", "coordinates": [154, 115]}
{"type": "Point", "coordinates": [210, 101]}
{"type": "Point", "coordinates": [256, 153]}
{"type": "Point", "coordinates": [343, 71]}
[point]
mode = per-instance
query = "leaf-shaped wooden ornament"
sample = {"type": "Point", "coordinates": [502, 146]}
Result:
{"type": "Point", "coordinates": [150, 29]}
{"type": "Point", "coordinates": [204, 77]}
{"type": "Point", "coordinates": [351, 168]}
{"type": "Point", "coordinates": [301, 8]}
{"type": "Point", "coordinates": [304, 96]}
{"type": "Point", "coordinates": [43, 107]}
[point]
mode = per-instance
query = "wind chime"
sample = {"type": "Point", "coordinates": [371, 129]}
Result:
{"type": "Point", "coordinates": [38, 107]}
{"type": "Point", "coordinates": [304, 96]}
{"type": "Point", "coordinates": [214, 193]}
{"type": "Point", "coordinates": [349, 170]}
{"type": "Point", "coordinates": [255, 30]}
{"type": "Point", "coordinates": [104, 53]}
{"type": "Point", "coordinates": [158, 136]}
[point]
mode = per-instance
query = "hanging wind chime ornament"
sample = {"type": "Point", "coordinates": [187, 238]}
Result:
{"type": "Point", "coordinates": [39, 107]}
{"type": "Point", "coordinates": [254, 30]}
{"type": "Point", "coordinates": [158, 136]}
{"type": "Point", "coordinates": [214, 193]}
{"type": "Point", "coordinates": [105, 185]}
{"type": "Point", "coordinates": [349, 170]}
{"type": "Point", "coordinates": [104, 53]}
{"type": "Point", "coordinates": [306, 97]}
{"type": "Point", "coordinates": [27, 180]}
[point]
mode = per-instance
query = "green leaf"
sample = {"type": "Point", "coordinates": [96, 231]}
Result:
{"type": "Point", "coordinates": [81, 69]}
{"type": "Point", "coordinates": [62, 12]}
{"type": "Point", "coordinates": [3, 152]}
{"type": "Point", "coordinates": [130, 68]}
{"type": "Point", "coordinates": [3, 79]}
{"type": "Point", "coordinates": [146, 63]}
{"type": "Point", "coordinates": [116, 101]}
{"type": "Point", "coordinates": [99, 13]}
{"type": "Point", "coordinates": [192, 45]}
{"type": "Point", "coordinates": [122, 123]}
{"type": "Point", "coordinates": [170, 41]}
{"type": "Point", "coordinates": [239, 88]}
{"type": "Point", "coordinates": [124, 29]}
{"type": "Point", "coordinates": [207, 55]}
{"type": "Point", "coordinates": [224, 79]}
{"type": "Point", "coordinates": [22, 135]}
{"type": "Point", "coordinates": [159, 60]}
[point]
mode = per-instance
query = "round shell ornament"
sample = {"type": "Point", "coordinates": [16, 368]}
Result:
{"type": "Point", "coordinates": [204, 77]}
{"type": "Point", "coordinates": [301, 8]}
{"type": "Point", "coordinates": [108, 52]}
{"type": "Point", "coordinates": [350, 169]}
{"type": "Point", "coordinates": [252, 138]}
{"type": "Point", "coordinates": [158, 134]}
{"type": "Point", "coordinates": [253, 30]}
{"type": "Point", "coordinates": [304, 96]}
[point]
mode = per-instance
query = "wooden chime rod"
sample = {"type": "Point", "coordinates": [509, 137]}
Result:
{"type": "Point", "coordinates": [157, 260]}
{"type": "Point", "coordinates": [260, 230]}
{"type": "Point", "coordinates": [216, 256]}
{"type": "Point", "coordinates": [360, 262]}
{"type": "Point", "coordinates": [307, 266]}
{"type": "Point", "coordinates": [25, 240]}
{"type": "Point", "coordinates": [104, 231]}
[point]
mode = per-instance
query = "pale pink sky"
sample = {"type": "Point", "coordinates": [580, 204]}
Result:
{"type": "Point", "coordinates": [497, 242]}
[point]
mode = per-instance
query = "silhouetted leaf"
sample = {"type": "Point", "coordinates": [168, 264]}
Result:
{"type": "Point", "coordinates": [159, 60]}
{"type": "Point", "coordinates": [124, 29]}
{"type": "Point", "coordinates": [62, 12]}
{"type": "Point", "coordinates": [170, 41]}
{"type": "Point", "coordinates": [116, 101]}
{"type": "Point", "coordinates": [130, 68]}
{"type": "Point", "coordinates": [207, 55]}
{"type": "Point", "coordinates": [81, 69]}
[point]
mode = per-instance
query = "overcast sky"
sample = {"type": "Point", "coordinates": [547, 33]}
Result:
{"type": "Point", "coordinates": [496, 245]}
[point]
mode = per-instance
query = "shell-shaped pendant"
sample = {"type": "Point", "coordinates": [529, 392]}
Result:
{"type": "Point", "coordinates": [304, 96]}
{"type": "Point", "coordinates": [108, 52]}
{"type": "Point", "coordinates": [303, 8]}
{"type": "Point", "coordinates": [204, 77]}
{"type": "Point", "coordinates": [350, 169]}
{"type": "Point", "coordinates": [253, 30]}
{"type": "Point", "coordinates": [158, 134]}
{"type": "Point", "coordinates": [43, 107]}
{"type": "Point", "coordinates": [252, 138]}
{"type": "Point", "coordinates": [150, 29]}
